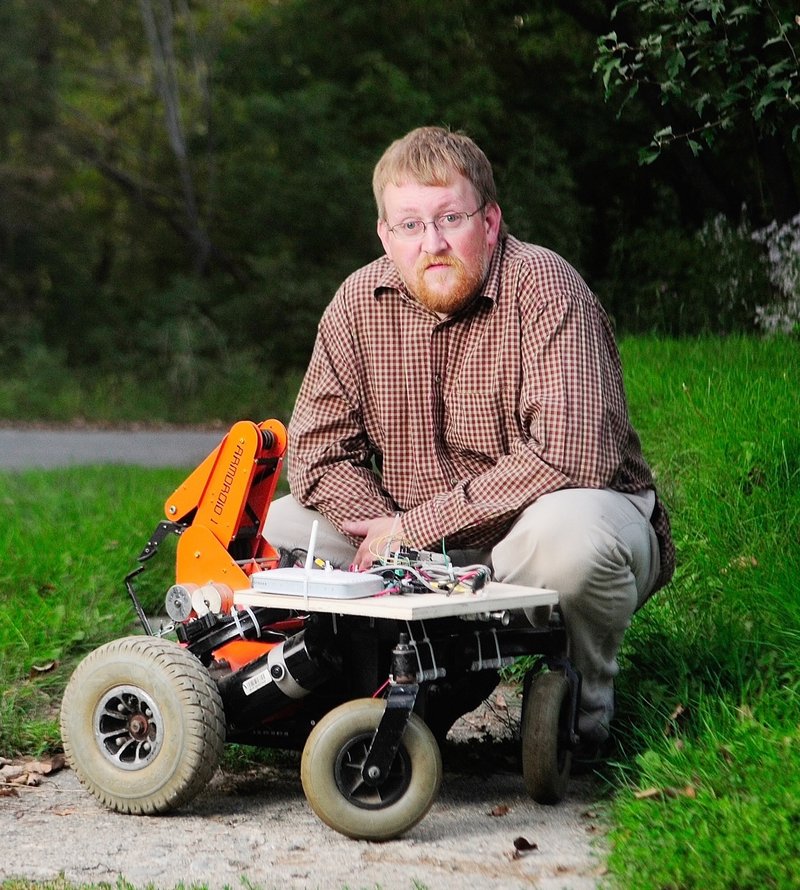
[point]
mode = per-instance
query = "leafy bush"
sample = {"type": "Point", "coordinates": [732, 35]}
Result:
{"type": "Point", "coordinates": [710, 281]}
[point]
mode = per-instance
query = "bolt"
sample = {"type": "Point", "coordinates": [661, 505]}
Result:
{"type": "Point", "coordinates": [172, 509]}
{"type": "Point", "coordinates": [374, 773]}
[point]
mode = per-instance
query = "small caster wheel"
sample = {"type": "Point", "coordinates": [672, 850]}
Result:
{"type": "Point", "coordinates": [546, 754]}
{"type": "Point", "coordinates": [331, 766]}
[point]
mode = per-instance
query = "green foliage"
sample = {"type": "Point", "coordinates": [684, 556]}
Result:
{"type": "Point", "coordinates": [714, 280]}
{"type": "Point", "coordinates": [180, 386]}
{"type": "Point", "coordinates": [184, 208]}
{"type": "Point", "coordinates": [728, 63]}
{"type": "Point", "coordinates": [179, 210]}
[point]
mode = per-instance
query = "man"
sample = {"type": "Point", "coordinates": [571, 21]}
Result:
{"type": "Point", "coordinates": [465, 391]}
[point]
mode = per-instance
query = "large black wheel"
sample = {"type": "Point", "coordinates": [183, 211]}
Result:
{"type": "Point", "coordinates": [143, 725]}
{"type": "Point", "coordinates": [331, 766]}
{"type": "Point", "coordinates": [546, 755]}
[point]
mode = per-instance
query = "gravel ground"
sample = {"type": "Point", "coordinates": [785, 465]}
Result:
{"type": "Point", "coordinates": [257, 829]}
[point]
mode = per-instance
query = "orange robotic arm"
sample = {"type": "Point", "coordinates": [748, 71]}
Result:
{"type": "Point", "coordinates": [224, 504]}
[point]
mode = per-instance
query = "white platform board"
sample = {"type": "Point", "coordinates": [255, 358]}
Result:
{"type": "Point", "coordinates": [494, 597]}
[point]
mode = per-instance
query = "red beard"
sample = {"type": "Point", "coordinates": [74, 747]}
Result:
{"type": "Point", "coordinates": [460, 292]}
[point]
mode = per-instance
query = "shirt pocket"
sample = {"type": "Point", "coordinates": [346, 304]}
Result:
{"type": "Point", "coordinates": [476, 424]}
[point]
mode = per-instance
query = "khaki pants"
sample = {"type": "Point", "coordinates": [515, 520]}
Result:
{"type": "Point", "coordinates": [596, 547]}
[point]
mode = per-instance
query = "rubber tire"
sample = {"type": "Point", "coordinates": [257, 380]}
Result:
{"type": "Point", "coordinates": [191, 734]}
{"type": "Point", "coordinates": [334, 733]}
{"type": "Point", "coordinates": [546, 757]}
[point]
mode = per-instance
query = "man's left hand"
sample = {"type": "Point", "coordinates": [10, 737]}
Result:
{"type": "Point", "coordinates": [377, 534]}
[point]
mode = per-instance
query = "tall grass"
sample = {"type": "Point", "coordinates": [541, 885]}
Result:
{"type": "Point", "coordinates": [710, 691]}
{"type": "Point", "coordinates": [707, 793]}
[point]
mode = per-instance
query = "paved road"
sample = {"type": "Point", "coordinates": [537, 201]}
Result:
{"type": "Point", "coordinates": [49, 449]}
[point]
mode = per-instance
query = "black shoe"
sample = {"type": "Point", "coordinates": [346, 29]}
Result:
{"type": "Point", "coordinates": [591, 754]}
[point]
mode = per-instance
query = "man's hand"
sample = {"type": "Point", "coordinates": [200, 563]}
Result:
{"type": "Point", "coordinates": [376, 534]}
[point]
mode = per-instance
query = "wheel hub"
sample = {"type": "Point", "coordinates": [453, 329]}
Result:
{"type": "Point", "coordinates": [348, 771]}
{"type": "Point", "coordinates": [128, 727]}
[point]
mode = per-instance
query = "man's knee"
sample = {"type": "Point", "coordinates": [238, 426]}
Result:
{"type": "Point", "coordinates": [576, 539]}
{"type": "Point", "coordinates": [555, 548]}
{"type": "Point", "coordinates": [288, 527]}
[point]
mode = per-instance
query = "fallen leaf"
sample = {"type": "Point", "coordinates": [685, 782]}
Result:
{"type": "Point", "coordinates": [501, 809]}
{"type": "Point", "coordinates": [740, 563]}
{"type": "Point", "coordinates": [726, 754]}
{"type": "Point", "coordinates": [7, 773]}
{"type": "Point", "coordinates": [677, 712]}
{"type": "Point", "coordinates": [45, 767]}
{"type": "Point", "coordinates": [28, 779]}
{"type": "Point", "coordinates": [676, 720]}
{"type": "Point", "coordinates": [58, 762]}
{"type": "Point", "coordinates": [668, 792]}
{"type": "Point", "coordinates": [523, 845]}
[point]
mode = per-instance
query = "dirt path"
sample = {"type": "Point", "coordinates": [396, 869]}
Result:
{"type": "Point", "coordinates": [259, 827]}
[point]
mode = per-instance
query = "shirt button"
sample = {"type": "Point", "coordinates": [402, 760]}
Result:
{"type": "Point", "coordinates": [437, 378]}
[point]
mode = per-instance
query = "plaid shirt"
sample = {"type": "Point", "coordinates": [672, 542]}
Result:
{"type": "Point", "coordinates": [461, 423]}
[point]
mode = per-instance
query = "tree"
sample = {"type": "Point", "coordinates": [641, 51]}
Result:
{"type": "Point", "coordinates": [724, 73]}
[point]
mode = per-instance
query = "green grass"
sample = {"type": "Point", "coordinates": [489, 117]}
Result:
{"type": "Point", "coordinates": [68, 540]}
{"type": "Point", "coordinates": [709, 696]}
{"type": "Point", "coordinates": [710, 691]}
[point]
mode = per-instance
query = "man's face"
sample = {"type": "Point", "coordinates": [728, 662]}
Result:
{"type": "Point", "coordinates": [442, 269]}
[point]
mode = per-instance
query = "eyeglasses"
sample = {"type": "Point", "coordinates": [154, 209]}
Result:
{"type": "Point", "coordinates": [414, 229]}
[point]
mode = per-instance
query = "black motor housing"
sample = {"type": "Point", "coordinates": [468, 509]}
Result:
{"type": "Point", "coordinates": [286, 674]}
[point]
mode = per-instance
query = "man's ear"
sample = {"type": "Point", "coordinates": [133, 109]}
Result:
{"type": "Point", "coordinates": [493, 218]}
